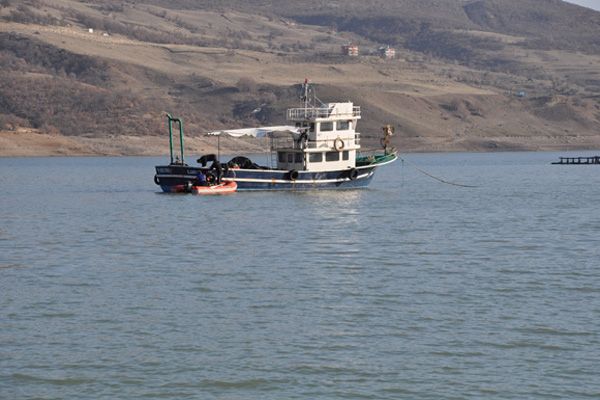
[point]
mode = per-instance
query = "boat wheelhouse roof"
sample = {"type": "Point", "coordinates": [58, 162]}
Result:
{"type": "Point", "coordinates": [330, 112]}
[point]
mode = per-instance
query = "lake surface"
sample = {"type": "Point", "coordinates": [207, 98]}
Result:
{"type": "Point", "coordinates": [410, 289]}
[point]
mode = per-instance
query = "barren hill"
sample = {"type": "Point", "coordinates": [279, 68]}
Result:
{"type": "Point", "coordinates": [468, 75]}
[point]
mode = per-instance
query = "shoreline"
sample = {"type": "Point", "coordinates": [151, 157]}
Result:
{"type": "Point", "coordinates": [25, 142]}
{"type": "Point", "coordinates": [31, 143]}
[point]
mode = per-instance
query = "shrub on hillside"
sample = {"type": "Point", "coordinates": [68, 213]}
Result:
{"type": "Point", "coordinates": [26, 15]}
{"type": "Point", "coordinates": [37, 56]}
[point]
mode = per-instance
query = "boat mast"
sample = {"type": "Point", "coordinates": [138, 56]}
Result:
{"type": "Point", "coordinates": [180, 122]}
{"type": "Point", "coordinates": [305, 94]}
{"type": "Point", "coordinates": [309, 96]}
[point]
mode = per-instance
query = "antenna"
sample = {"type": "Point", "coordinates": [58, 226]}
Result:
{"type": "Point", "coordinates": [304, 96]}
{"type": "Point", "coordinates": [308, 96]}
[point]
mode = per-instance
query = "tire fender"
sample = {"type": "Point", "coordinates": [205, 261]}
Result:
{"type": "Point", "coordinates": [353, 174]}
{"type": "Point", "coordinates": [293, 174]}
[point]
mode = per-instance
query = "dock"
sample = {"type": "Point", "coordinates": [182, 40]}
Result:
{"type": "Point", "coordinates": [578, 160]}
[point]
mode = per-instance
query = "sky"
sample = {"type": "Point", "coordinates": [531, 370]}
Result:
{"type": "Point", "coordinates": [595, 4]}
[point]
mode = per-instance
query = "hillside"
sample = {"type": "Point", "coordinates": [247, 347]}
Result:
{"type": "Point", "coordinates": [468, 75]}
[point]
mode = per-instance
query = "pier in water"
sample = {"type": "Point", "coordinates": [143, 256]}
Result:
{"type": "Point", "coordinates": [578, 160]}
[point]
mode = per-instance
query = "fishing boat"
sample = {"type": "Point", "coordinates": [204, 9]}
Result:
{"type": "Point", "coordinates": [319, 149]}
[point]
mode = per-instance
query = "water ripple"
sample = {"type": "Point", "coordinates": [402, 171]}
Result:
{"type": "Point", "coordinates": [412, 290]}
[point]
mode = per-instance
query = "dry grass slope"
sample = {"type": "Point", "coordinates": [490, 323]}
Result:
{"type": "Point", "coordinates": [477, 75]}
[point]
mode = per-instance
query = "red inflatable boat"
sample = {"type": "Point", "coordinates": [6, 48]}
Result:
{"type": "Point", "coordinates": [222, 188]}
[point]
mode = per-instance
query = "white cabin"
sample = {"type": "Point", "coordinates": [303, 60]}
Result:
{"type": "Point", "coordinates": [326, 140]}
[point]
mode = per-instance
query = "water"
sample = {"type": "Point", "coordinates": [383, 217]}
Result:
{"type": "Point", "coordinates": [410, 289]}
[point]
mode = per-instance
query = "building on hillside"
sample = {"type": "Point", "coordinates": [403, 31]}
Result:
{"type": "Point", "coordinates": [387, 52]}
{"type": "Point", "coordinates": [350, 50]}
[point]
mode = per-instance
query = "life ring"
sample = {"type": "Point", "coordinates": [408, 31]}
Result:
{"type": "Point", "coordinates": [156, 180]}
{"type": "Point", "coordinates": [293, 174]}
{"type": "Point", "coordinates": [353, 174]}
{"type": "Point", "coordinates": [338, 144]}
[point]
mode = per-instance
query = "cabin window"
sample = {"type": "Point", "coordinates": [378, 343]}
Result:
{"type": "Point", "coordinates": [345, 155]}
{"type": "Point", "coordinates": [315, 157]}
{"type": "Point", "coordinates": [281, 157]}
{"type": "Point", "coordinates": [332, 156]}
{"type": "Point", "coordinates": [298, 158]}
{"type": "Point", "coordinates": [326, 126]}
{"type": "Point", "coordinates": [312, 127]}
{"type": "Point", "coordinates": [343, 125]}
{"type": "Point", "coordinates": [290, 157]}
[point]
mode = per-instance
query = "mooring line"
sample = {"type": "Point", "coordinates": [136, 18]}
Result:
{"type": "Point", "coordinates": [435, 177]}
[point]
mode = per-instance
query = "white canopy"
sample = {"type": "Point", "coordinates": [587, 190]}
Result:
{"type": "Point", "coordinates": [263, 131]}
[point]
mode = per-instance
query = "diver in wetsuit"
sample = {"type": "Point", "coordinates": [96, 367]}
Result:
{"type": "Point", "coordinates": [216, 166]}
{"type": "Point", "coordinates": [216, 170]}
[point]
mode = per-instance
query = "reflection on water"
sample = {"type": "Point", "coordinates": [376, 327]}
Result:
{"type": "Point", "coordinates": [331, 205]}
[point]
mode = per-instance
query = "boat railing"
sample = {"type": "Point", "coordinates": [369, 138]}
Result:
{"type": "Point", "coordinates": [370, 157]}
{"type": "Point", "coordinates": [317, 144]}
{"type": "Point", "coordinates": [289, 143]}
{"type": "Point", "coordinates": [328, 145]}
{"type": "Point", "coordinates": [311, 113]}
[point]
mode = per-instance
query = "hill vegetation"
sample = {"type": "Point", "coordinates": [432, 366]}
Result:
{"type": "Point", "coordinates": [468, 75]}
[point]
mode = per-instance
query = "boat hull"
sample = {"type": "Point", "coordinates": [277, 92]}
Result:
{"type": "Point", "coordinates": [172, 177]}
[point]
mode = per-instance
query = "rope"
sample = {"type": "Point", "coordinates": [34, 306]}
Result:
{"type": "Point", "coordinates": [435, 177]}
